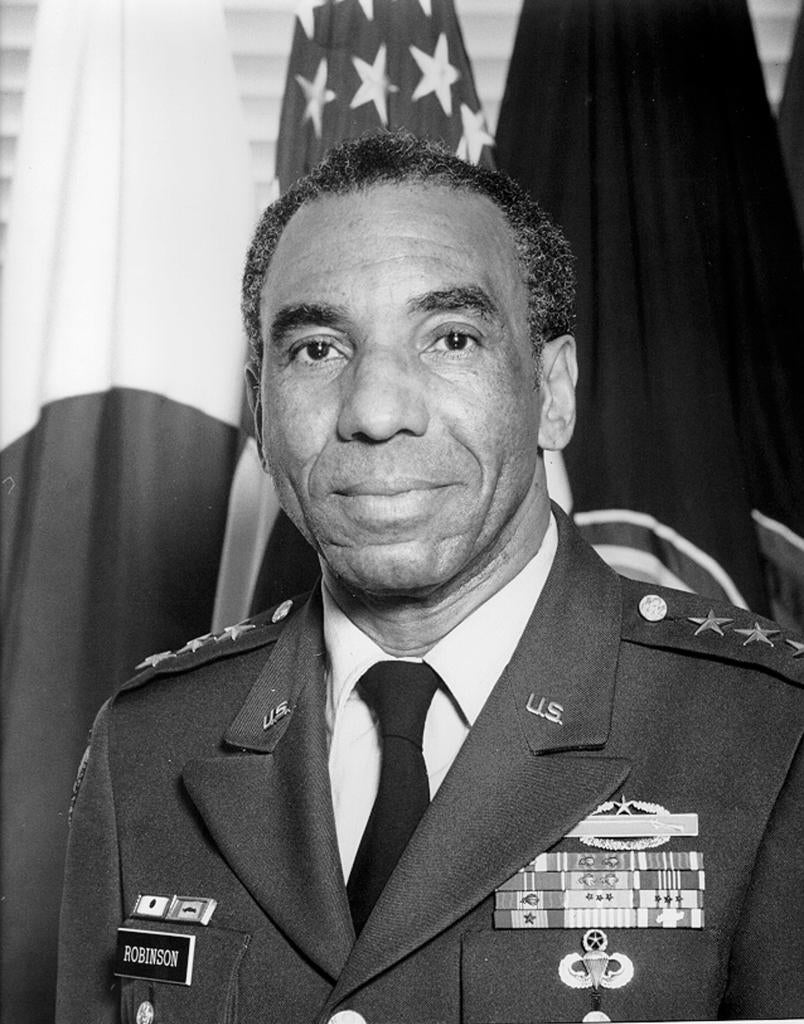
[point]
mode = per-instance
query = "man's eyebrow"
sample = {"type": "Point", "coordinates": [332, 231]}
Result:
{"type": "Point", "coordinates": [469, 297]}
{"type": "Point", "coordinates": [304, 314]}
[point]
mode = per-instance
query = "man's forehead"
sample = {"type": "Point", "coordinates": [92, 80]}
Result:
{"type": "Point", "coordinates": [393, 244]}
{"type": "Point", "coordinates": [398, 202]}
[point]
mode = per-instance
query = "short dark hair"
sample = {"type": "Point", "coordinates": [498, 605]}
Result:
{"type": "Point", "coordinates": [397, 157]}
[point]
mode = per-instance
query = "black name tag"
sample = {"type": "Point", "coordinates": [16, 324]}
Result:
{"type": "Point", "coordinates": [154, 956]}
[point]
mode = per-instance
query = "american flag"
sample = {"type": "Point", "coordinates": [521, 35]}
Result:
{"type": "Point", "coordinates": [361, 65]}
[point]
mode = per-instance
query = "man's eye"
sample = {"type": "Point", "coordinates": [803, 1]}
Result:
{"type": "Point", "coordinates": [455, 341]}
{"type": "Point", "coordinates": [315, 351]}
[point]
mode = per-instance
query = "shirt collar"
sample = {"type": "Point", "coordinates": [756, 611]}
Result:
{"type": "Point", "coordinates": [467, 659]}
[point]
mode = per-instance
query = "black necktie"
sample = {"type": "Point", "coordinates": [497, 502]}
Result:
{"type": "Point", "coordinates": [399, 693]}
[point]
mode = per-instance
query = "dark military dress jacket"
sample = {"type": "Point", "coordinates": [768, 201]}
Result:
{"type": "Point", "coordinates": [620, 834]}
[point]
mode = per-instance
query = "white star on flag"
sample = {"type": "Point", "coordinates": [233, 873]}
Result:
{"type": "Point", "coordinates": [374, 84]}
{"type": "Point", "coordinates": [438, 75]}
{"type": "Point", "coordinates": [427, 7]}
{"type": "Point", "coordinates": [304, 12]}
{"type": "Point", "coordinates": [474, 137]}
{"type": "Point", "coordinates": [317, 95]}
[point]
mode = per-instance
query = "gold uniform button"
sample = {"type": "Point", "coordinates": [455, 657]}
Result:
{"type": "Point", "coordinates": [653, 608]}
{"type": "Point", "coordinates": [145, 1013]}
{"type": "Point", "coordinates": [281, 612]}
{"type": "Point", "coordinates": [347, 1017]}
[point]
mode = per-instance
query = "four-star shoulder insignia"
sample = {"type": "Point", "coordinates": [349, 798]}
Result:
{"type": "Point", "coordinates": [245, 635]}
{"type": "Point", "coordinates": [681, 621]}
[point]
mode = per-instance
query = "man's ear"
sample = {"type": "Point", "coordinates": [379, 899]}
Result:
{"type": "Point", "coordinates": [559, 377]}
{"type": "Point", "coordinates": [253, 394]}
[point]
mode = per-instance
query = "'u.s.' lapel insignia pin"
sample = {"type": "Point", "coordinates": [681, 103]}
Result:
{"type": "Point", "coordinates": [545, 708]}
{"type": "Point", "coordinates": [277, 712]}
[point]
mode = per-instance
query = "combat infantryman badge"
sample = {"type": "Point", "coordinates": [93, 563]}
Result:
{"type": "Point", "coordinates": [632, 825]}
{"type": "Point", "coordinates": [596, 969]}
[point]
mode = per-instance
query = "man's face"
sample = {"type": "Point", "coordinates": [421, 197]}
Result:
{"type": "Point", "coordinates": [400, 417]}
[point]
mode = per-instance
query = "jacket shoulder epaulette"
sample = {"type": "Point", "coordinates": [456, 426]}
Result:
{"type": "Point", "coordinates": [655, 616]}
{"type": "Point", "coordinates": [257, 631]}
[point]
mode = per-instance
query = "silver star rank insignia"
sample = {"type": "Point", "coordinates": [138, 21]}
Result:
{"type": "Point", "coordinates": [153, 660]}
{"type": "Point", "coordinates": [233, 632]}
{"type": "Point", "coordinates": [798, 647]}
{"type": "Point", "coordinates": [757, 635]}
{"type": "Point", "coordinates": [193, 645]}
{"type": "Point", "coordinates": [711, 622]}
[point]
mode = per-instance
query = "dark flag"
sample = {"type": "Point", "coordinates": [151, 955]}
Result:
{"type": "Point", "coordinates": [122, 371]}
{"type": "Point", "coordinates": [358, 65]}
{"type": "Point", "coordinates": [791, 123]}
{"type": "Point", "coordinates": [643, 127]}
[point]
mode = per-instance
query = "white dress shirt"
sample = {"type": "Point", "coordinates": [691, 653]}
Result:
{"type": "Point", "coordinates": [469, 659]}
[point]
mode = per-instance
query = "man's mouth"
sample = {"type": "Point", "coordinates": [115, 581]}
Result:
{"type": "Point", "coordinates": [388, 488]}
{"type": "Point", "coordinates": [387, 504]}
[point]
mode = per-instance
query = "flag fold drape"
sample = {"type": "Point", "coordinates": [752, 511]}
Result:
{"type": "Point", "coordinates": [121, 390]}
{"type": "Point", "coordinates": [644, 128]}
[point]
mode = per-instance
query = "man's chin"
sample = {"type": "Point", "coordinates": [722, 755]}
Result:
{"type": "Point", "coordinates": [406, 570]}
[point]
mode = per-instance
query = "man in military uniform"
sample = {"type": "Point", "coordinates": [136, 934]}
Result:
{"type": "Point", "coordinates": [475, 775]}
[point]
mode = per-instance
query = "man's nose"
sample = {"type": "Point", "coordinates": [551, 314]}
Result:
{"type": "Point", "coordinates": [383, 395]}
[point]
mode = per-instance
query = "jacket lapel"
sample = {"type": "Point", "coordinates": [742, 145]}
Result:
{"type": "Point", "coordinates": [268, 806]}
{"type": "Point", "coordinates": [521, 780]}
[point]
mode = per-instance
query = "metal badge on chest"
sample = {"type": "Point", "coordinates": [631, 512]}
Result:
{"type": "Point", "coordinates": [620, 881]}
